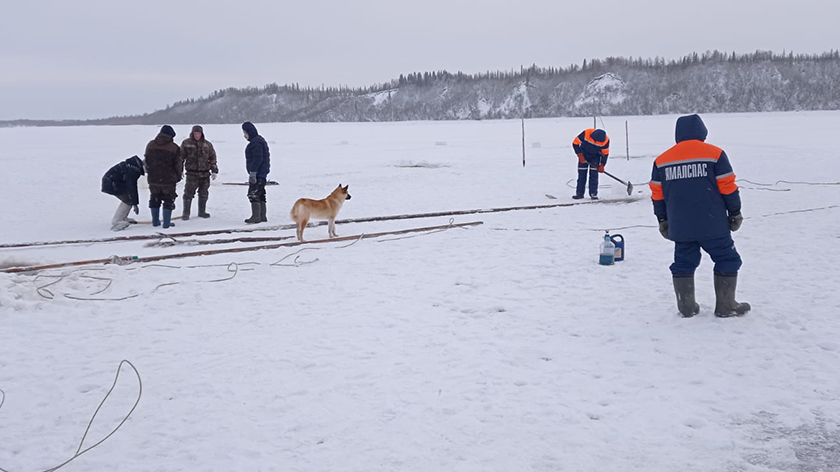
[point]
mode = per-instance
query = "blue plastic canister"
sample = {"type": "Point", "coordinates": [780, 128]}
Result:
{"type": "Point", "coordinates": [618, 240]}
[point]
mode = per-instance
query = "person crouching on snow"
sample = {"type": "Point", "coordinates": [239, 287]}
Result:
{"type": "Point", "coordinates": [121, 182]}
{"type": "Point", "coordinates": [163, 171]}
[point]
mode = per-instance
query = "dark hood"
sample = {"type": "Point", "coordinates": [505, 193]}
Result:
{"type": "Point", "coordinates": [162, 139]}
{"type": "Point", "coordinates": [691, 127]}
{"type": "Point", "coordinates": [249, 128]}
{"type": "Point", "coordinates": [137, 163]}
{"type": "Point", "coordinates": [199, 129]}
{"type": "Point", "coordinates": [599, 135]}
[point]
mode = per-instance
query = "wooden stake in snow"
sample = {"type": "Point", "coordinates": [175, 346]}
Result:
{"type": "Point", "coordinates": [627, 138]}
{"type": "Point", "coordinates": [523, 140]}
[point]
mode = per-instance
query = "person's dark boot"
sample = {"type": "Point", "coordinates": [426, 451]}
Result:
{"type": "Point", "coordinates": [255, 213]}
{"type": "Point", "coordinates": [202, 208]}
{"type": "Point", "coordinates": [684, 288]}
{"type": "Point", "coordinates": [167, 218]}
{"type": "Point", "coordinates": [726, 306]}
{"type": "Point", "coordinates": [263, 218]}
{"type": "Point", "coordinates": [155, 216]}
{"type": "Point", "coordinates": [577, 197]}
{"type": "Point", "coordinates": [187, 206]}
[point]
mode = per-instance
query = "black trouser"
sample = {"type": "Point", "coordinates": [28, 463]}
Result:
{"type": "Point", "coordinates": [162, 194]}
{"type": "Point", "coordinates": [256, 191]}
{"type": "Point", "coordinates": [197, 180]}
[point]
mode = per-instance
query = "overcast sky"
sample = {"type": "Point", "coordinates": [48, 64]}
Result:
{"type": "Point", "coordinates": [64, 59]}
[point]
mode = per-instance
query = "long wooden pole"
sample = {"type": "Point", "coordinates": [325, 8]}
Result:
{"type": "Point", "coordinates": [523, 140]}
{"type": "Point", "coordinates": [143, 237]}
{"type": "Point", "coordinates": [627, 138]}
{"type": "Point", "coordinates": [239, 249]}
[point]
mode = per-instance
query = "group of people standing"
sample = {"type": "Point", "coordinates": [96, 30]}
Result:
{"type": "Point", "coordinates": [696, 201]}
{"type": "Point", "coordinates": [164, 165]}
{"type": "Point", "coordinates": [695, 197]}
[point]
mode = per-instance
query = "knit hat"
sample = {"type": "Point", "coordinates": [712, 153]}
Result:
{"type": "Point", "coordinates": [167, 130]}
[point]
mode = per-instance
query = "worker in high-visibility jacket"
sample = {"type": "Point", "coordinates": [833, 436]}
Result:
{"type": "Point", "coordinates": [698, 205]}
{"type": "Point", "coordinates": [592, 147]}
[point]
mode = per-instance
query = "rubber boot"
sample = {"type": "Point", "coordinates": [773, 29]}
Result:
{"type": "Point", "coordinates": [255, 213]}
{"type": "Point", "coordinates": [263, 218]}
{"type": "Point", "coordinates": [156, 216]}
{"type": "Point", "coordinates": [726, 306]}
{"type": "Point", "coordinates": [202, 208]}
{"type": "Point", "coordinates": [187, 207]}
{"type": "Point", "coordinates": [167, 218]}
{"type": "Point", "coordinates": [684, 288]}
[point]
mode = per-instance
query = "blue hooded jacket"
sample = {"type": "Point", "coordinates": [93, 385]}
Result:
{"type": "Point", "coordinates": [257, 156]}
{"type": "Point", "coordinates": [693, 185]}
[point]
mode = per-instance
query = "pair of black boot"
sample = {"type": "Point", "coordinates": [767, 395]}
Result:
{"type": "Point", "coordinates": [725, 304]}
{"type": "Point", "coordinates": [202, 208]}
{"type": "Point", "coordinates": [257, 213]}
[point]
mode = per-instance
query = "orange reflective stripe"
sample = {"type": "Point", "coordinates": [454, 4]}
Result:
{"type": "Point", "coordinates": [656, 191]}
{"type": "Point", "coordinates": [605, 152]}
{"type": "Point", "coordinates": [577, 142]}
{"type": "Point", "coordinates": [688, 150]}
{"type": "Point", "coordinates": [727, 184]}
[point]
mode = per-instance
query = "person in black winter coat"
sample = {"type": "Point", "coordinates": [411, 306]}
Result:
{"type": "Point", "coordinates": [164, 170]}
{"type": "Point", "coordinates": [121, 182]}
{"type": "Point", "coordinates": [257, 163]}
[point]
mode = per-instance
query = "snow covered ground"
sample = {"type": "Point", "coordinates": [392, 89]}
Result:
{"type": "Point", "coordinates": [503, 347]}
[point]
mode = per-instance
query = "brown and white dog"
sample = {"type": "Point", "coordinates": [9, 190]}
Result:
{"type": "Point", "coordinates": [326, 209]}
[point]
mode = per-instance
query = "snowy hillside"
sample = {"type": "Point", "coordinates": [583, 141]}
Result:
{"type": "Point", "coordinates": [712, 82]}
{"type": "Point", "coordinates": [503, 347]}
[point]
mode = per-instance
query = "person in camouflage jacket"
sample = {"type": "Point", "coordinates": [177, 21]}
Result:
{"type": "Point", "coordinates": [163, 171]}
{"type": "Point", "coordinates": [199, 160]}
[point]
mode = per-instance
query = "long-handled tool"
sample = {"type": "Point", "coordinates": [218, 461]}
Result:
{"type": "Point", "coordinates": [628, 184]}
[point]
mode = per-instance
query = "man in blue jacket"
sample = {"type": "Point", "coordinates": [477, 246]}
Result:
{"type": "Point", "coordinates": [698, 204]}
{"type": "Point", "coordinates": [257, 163]}
{"type": "Point", "coordinates": [592, 147]}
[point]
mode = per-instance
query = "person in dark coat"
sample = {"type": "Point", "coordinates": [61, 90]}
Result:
{"type": "Point", "coordinates": [257, 163]}
{"type": "Point", "coordinates": [163, 171]}
{"type": "Point", "coordinates": [121, 182]}
{"type": "Point", "coordinates": [698, 205]}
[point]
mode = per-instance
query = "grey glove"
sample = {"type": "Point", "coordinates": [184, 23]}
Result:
{"type": "Point", "coordinates": [136, 210]}
{"type": "Point", "coordinates": [735, 220]}
{"type": "Point", "coordinates": [213, 175]}
{"type": "Point", "coordinates": [663, 228]}
{"type": "Point", "coordinates": [252, 178]}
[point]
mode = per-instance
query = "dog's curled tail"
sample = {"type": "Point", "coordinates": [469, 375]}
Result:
{"type": "Point", "coordinates": [295, 213]}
